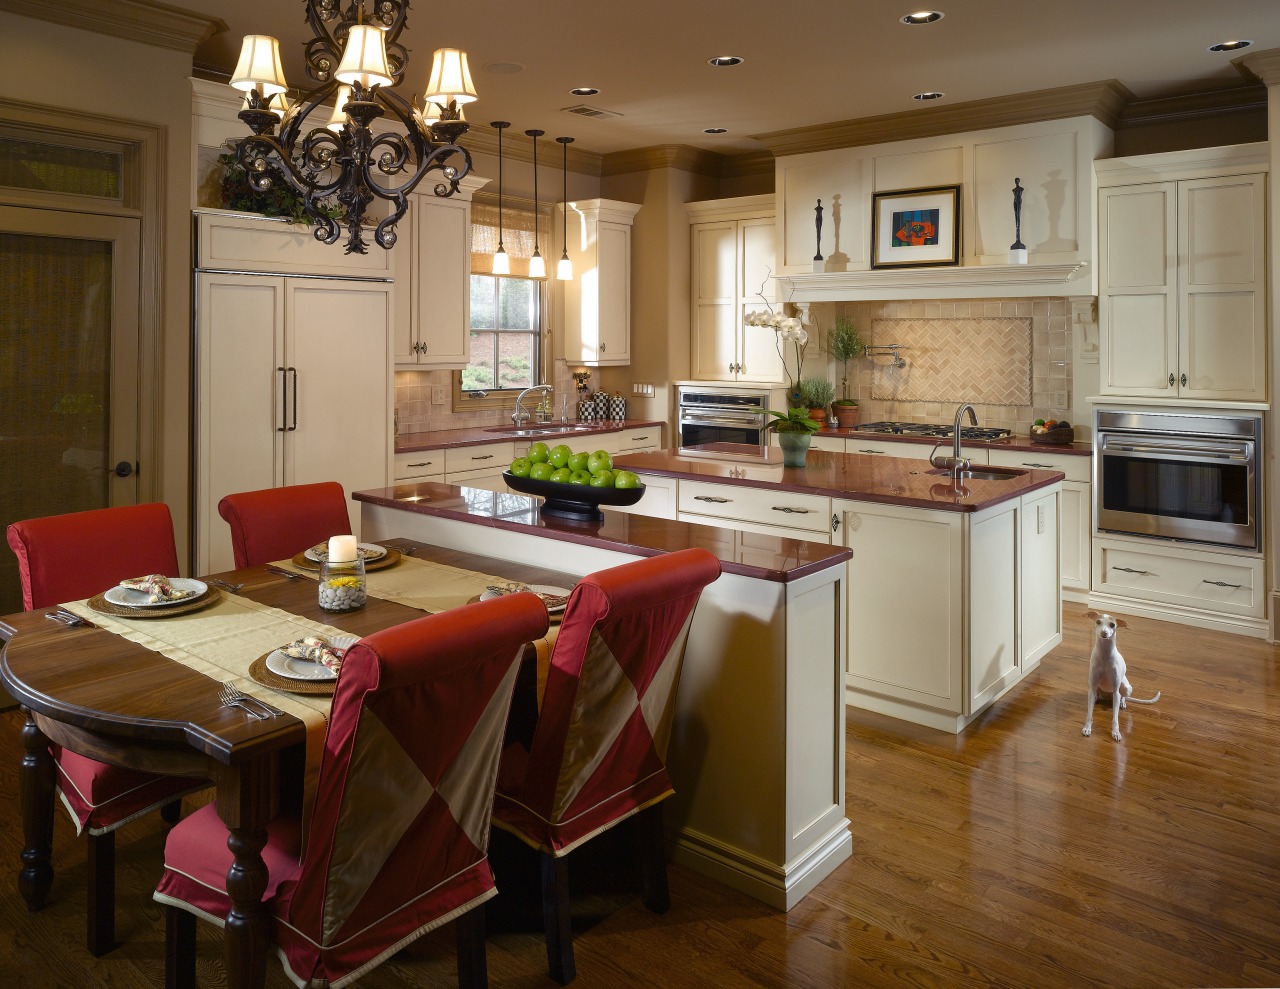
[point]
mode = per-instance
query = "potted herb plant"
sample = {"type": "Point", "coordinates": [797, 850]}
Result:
{"type": "Point", "coordinates": [844, 345]}
{"type": "Point", "coordinates": [815, 395]}
{"type": "Point", "coordinates": [795, 430]}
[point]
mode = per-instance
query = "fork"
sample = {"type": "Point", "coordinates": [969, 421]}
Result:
{"type": "Point", "coordinates": [227, 586]}
{"type": "Point", "coordinates": [234, 692]}
{"type": "Point", "coordinates": [283, 573]}
{"type": "Point", "coordinates": [231, 697]}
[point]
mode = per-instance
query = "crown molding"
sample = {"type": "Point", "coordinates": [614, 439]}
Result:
{"type": "Point", "coordinates": [748, 165]}
{"type": "Point", "coordinates": [517, 147]}
{"type": "Point", "coordinates": [1263, 66]}
{"type": "Point", "coordinates": [1236, 99]}
{"type": "Point", "coordinates": [681, 156]}
{"type": "Point", "coordinates": [150, 23]}
{"type": "Point", "coordinates": [1103, 100]}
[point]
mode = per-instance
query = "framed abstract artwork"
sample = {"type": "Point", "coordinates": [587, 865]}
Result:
{"type": "Point", "coordinates": [915, 228]}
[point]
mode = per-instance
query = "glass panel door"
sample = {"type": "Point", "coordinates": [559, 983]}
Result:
{"type": "Point", "coordinates": [68, 368]}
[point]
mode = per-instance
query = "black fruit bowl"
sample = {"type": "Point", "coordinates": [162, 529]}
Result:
{"type": "Point", "coordinates": [574, 501]}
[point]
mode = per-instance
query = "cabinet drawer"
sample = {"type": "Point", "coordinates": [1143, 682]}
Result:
{"type": "Point", "coordinates": [631, 440]}
{"type": "Point", "coordinates": [423, 463]}
{"type": "Point", "coordinates": [775, 508]}
{"type": "Point", "coordinates": [1203, 581]}
{"type": "Point", "coordinates": [911, 451]}
{"type": "Point", "coordinates": [487, 455]}
{"type": "Point", "coordinates": [1075, 467]}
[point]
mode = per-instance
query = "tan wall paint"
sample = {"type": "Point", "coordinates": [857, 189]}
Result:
{"type": "Point", "coordinates": [54, 65]}
{"type": "Point", "coordinates": [1197, 132]}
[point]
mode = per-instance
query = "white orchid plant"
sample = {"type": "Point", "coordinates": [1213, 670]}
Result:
{"type": "Point", "coordinates": [787, 328]}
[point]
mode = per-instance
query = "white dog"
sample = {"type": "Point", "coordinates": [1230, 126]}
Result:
{"type": "Point", "coordinates": [1107, 672]}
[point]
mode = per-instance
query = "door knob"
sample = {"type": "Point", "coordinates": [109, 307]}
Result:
{"type": "Point", "coordinates": [123, 469]}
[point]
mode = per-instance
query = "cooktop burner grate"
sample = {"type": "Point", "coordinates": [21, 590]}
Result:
{"type": "Point", "coordinates": [931, 430]}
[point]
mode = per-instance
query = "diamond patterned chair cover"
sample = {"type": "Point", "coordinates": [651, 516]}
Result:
{"type": "Point", "coordinates": [65, 558]}
{"type": "Point", "coordinates": [598, 752]}
{"type": "Point", "coordinates": [399, 832]}
{"type": "Point", "coordinates": [276, 523]}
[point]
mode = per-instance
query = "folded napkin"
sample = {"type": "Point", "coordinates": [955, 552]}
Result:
{"type": "Point", "coordinates": [157, 588]}
{"type": "Point", "coordinates": [514, 587]}
{"type": "Point", "coordinates": [315, 649]}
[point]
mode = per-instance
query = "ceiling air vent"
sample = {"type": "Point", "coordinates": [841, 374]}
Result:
{"type": "Point", "coordinates": [584, 110]}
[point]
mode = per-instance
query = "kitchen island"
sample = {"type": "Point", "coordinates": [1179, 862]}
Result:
{"type": "Point", "coordinates": [757, 749]}
{"type": "Point", "coordinates": [953, 594]}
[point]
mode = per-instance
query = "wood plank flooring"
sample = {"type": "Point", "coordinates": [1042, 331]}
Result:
{"type": "Point", "coordinates": [1017, 854]}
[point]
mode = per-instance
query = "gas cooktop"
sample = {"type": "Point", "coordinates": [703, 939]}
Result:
{"type": "Point", "coordinates": [934, 431]}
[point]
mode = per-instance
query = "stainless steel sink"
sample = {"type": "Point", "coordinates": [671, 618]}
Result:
{"type": "Point", "coordinates": [979, 474]}
{"type": "Point", "coordinates": [541, 430]}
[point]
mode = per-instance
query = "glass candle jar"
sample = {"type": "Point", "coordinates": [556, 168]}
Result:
{"type": "Point", "coordinates": [342, 585]}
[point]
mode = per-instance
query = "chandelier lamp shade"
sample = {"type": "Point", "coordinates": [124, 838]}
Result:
{"type": "Point", "coordinates": [564, 267]}
{"type": "Point", "coordinates": [324, 146]}
{"type": "Point", "coordinates": [501, 261]}
{"type": "Point", "coordinates": [537, 265]}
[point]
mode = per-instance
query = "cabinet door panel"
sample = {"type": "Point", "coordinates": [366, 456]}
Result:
{"type": "Point", "coordinates": [1138, 352]}
{"type": "Point", "coordinates": [714, 340]}
{"type": "Point", "coordinates": [714, 258]}
{"type": "Point", "coordinates": [759, 262]}
{"type": "Point", "coordinates": [442, 281]}
{"type": "Point", "coordinates": [993, 600]}
{"type": "Point", "coordinates": [1136, 238]}
{"type": "Point", "coordinates": [614, 246]}
{"type": "Point", "coordinates": [1222, 346]}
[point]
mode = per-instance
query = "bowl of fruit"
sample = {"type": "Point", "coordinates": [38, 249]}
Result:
{"type": "Point", "coordinates": [574, 485]}
{"type": "Point", "coordinates": [1057, 431]}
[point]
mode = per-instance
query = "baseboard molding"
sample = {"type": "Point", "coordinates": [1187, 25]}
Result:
{"type": "Point", "coordinates": [1255, 628]}
{"type": "Point", "coordinates": [1075, 596]}
{"type": "Point", "coordinates": [780, 888]}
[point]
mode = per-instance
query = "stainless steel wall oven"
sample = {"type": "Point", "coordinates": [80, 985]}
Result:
{"type": "Point", "coordinates": [1174, 474]}
{"type": "Point", "coordinates": [722, 415]}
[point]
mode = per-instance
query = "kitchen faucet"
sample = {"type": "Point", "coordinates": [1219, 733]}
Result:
{"type": "Point", "coordinates": [956, 463]}
{"type": "Point", "coordinates": [520, 415]}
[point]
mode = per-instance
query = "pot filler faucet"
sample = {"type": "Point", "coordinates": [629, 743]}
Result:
{"type": "Point", "coordinates": [520, 415]}
{"type": "Point", "coordinates": [956, 463]}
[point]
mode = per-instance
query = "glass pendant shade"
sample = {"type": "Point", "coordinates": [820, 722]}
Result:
{"type": "Point", "coordinates": [259, 66]}
{"type": "Point", "coordinates": [564, 267]}
{"type": "Point", "coordinates": [501, 261]}
{"type": "Point", "coordinates": [364, 60]}
{"type": "Point", "coordinates": [450, 78]}
{"type": "Point", "coordinates": [338, 119]}
{"type": "Point", "coordinates": [537, 266]}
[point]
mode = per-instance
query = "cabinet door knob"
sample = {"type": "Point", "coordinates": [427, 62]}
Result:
{"type": "Point", "coordinates": [1184, 381]}
{"type": "Point", "coordinates": [1171, 379]}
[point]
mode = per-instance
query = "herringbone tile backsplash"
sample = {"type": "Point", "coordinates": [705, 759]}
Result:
{"type": "Point", "coordinates": [950, 360]}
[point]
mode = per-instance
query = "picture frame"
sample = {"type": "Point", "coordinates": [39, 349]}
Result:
{"type": "Point", "coordinates": [916, 228]}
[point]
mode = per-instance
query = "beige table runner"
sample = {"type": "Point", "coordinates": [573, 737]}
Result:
{"type": "Point", "coordinates": [420, 584]}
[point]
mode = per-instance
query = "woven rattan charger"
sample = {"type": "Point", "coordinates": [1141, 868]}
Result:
{"type": "Point", "coordinates": [391, 558]}
{"type": "Point", "coordinates": [102, 606]}
{"type": "Point", "coordinates": [259, 673]}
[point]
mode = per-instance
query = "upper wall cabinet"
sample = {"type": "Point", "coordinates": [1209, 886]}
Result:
{"type": "Point", "coordinates": [1053, 160]}
{"type": "Point", "coordinates": [597, 301]}
{"type": "Point", "coordinates": [1182, 270]}
{"type": "Point", "coordinates": [433, 271]}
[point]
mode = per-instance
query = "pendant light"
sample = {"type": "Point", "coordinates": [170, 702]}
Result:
{"type": "Point", "coordinates": [537, 266]}
{"type": "Point", "coordinates": [501, 262]}
{"type": "Point", "coordinates": [564, 267]}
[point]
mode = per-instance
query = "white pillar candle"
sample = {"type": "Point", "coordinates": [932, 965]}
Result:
{"type": "Point", "coordinates": [342, 549]}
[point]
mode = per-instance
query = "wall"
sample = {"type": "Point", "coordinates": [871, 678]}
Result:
{"type": "Point", "coordinates": [54, 65]}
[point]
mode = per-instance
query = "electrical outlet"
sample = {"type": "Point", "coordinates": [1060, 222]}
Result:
{"type": "Point", "coordinates": [1058, 400]}
{"type": "Point", "coordinates": [1039, 519]}
{"type": "Point", "coordinates": [637, 388]}
{"type": "Point", "coordinates": [439, 394]}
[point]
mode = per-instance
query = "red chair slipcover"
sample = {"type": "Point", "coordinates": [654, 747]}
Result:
{"type": "Point", "coordinates": [65, 558]}
{"type": "Point", "coordinates": [398, 838]}
{"type": "Point", "coordinates": [276, 523]}
{"type": "Point", "coordinates": [598, 751]}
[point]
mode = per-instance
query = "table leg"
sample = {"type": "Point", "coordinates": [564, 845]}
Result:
{"type": "Point", "coordinates": [36, 774]}
{"type": "Point", "coordinates": [244, 805]}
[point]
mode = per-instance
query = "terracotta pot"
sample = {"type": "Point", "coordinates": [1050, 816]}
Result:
{"type": "Point", "coordinates": [818, 415]}
{"type": "Point", "coordinates": [846, 415]}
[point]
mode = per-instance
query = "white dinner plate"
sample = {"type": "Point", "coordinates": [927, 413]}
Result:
{"type": "Point", "coordinates": [542, 590]}
{"type": "Point", "coordinates": [287, 666]}
{"type": "Point", "coordinates": [125, 597]}
{"type": "Point", "coordinates": [369, 551]}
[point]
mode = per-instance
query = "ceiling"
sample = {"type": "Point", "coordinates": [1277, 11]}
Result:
{"type": "Point", "coordinates": [807, 62]}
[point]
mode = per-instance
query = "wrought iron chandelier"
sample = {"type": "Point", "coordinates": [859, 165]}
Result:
{"type": "Point", "coordinates": [356, 59]}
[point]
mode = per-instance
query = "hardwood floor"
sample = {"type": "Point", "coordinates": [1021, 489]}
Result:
{"type": "Point", "coordinates": [1018, 853]}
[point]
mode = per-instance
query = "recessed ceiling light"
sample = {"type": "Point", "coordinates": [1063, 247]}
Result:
{"type": "Point", "coordinates": [715, 130]}
{"type": "Point", "coordinates": [1230, 46]}
{"type": "Point", "coordinates": [584, 91]}
{"type": "Point", "coordinates": [722, 60]}
{"type": "Point", "coordinates": [922, 17]}
{"type": "Point", "coordinates": [505, 68]}
{"type": "Point", "coordinates": [926, 97]}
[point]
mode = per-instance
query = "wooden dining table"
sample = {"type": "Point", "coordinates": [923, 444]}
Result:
{"type": "Point", "coordinates": [101, 695]}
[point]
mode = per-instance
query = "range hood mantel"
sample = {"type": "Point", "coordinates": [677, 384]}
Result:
{"type": "Point", "coordinates": [974, 282]}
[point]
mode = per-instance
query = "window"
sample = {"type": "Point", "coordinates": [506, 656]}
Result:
{"type": "Point", "coordinates": [506, 330]}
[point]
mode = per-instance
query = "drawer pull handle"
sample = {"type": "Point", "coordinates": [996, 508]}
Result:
{"type": "Point", "coordinates": [791, 511]}
{"type": "Point", "coordinates": [1037, 465]}
{"type": "Point", "coordinates": [487, 456]}
{"type": "Point", "coordinates": [871, 451]}
{"type": "Point", "coordinates": [711, 498]}
{"type": "Point", "coordinates": [1145, 573]}
{"type": "Point", "coordinates": [638, 439]}
{"type": "Point", "coordinates": [1220, 583]}
{"type": "Point", "coordinates": [425, 463]}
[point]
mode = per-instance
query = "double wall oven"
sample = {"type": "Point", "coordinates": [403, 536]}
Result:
{"type": "Point", "coordinates": [1179, 474]}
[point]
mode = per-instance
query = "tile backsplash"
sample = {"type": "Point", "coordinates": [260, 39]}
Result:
{"type": "Point", "coordinates": [417, 412]}
{"type": "Point", "coordinates": [1010, 358]}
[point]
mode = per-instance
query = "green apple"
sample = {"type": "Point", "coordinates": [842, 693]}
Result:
{"type": "Point", "coordinates": [599, 461]}
{"type": "Point", "coordinates": [580, 477]}
{"type": "Point", "coordinates": [541, 472]}
{"type": "Point", "coordinates": [578, 461]}
{"type": "Point", "coordinates": [520, 466]}
{"type": "Point", "coordinates": [559, 456]}
{"type": "Point", "coordinates": [626, 479]}
{"type": "Point", "coordinates": [561, 475]}
{"type": "Point", "coordinates": [538, 453]}
{"type": "Point", "coordinates": [602, 479]}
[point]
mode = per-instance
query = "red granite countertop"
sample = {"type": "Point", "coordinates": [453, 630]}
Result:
{"type": "Point", "coordinates": [772, 558]}
{"type": "Point", "coordinates": [861, 477]}
{"type": "Point", "coordinates": [440, 439]}
{"type": "Point", "coordinates": [1080, 448]}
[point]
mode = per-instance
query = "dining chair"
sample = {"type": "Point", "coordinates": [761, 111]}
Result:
{"type": "Point", "coordinates": [399, 828]}
{"type": "Point", "coordinates": [597, 753]}
{"type": "Point", "coordinates": [276, 523]}
{"type": "Point", "coordinates": [65, 558]}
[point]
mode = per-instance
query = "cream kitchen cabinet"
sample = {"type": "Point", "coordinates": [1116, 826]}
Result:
{"type": "Point", "coordinates": [751, 509]}
{"type": "Point", "coordinates": [420, 465]}
{"type": "Point", "coordinates": [433, 270]}
{"type": "Point", "coordinates": [733, 263]}
{"type": "Point", "coordinates": [597, 301]}
{"type": "Point", "coordinates": [1182, 278]}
